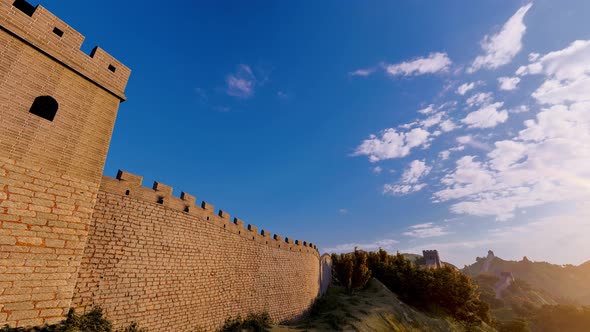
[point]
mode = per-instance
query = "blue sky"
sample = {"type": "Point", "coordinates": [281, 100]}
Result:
{"type": "Point", "coordinates": [460, 126]}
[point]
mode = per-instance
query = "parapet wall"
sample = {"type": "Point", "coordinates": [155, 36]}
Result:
{"type": "Point", "coordinates": [50, 35]}
{"type": "Point", "coordinates": [171, 265]}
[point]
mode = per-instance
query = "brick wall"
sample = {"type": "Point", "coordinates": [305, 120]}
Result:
{"type": "Point", "coordinates": [50, 171]}
{"type": "Point", "coordinates": [170, 265]}
{"type": "Point", "coordinates": [44, 218]}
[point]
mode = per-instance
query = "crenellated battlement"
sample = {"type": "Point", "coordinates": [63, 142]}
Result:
{"type": "Point", "coordinates": [130, 185]}
{"type": "Point", "coordinates": [47, 33]}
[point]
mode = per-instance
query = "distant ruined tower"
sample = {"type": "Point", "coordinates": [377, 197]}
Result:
{"type": "Point", "coordinates": [432, 259]}
{"type": "Point", "coordinates": [57, 108]}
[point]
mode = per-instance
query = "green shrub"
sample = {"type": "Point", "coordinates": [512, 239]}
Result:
{"type": "Point", "coordinates": [252, 323]}
{"type": "Point", "coordinates": [92, 321]}
{"type": "Point", "coordinates": [351, 270]}
{"type": "Point", "coordinates": [442, 291]}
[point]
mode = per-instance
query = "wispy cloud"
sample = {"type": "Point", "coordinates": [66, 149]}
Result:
{"type": "Point", "coordinates": [508, 83]}
{"type": "Point", "coordinates": [547, 161]}
{"type": "Point", "coordinates": [410, 179]}
{"type": "Point", "coordinates": [362, 72]}
{"type": "Point", "coordinates": [434, 63]}
{"type": "Point", "coordinates": [242, 83]}
{"type": "Point", "coordinates": [470, 141]}
{"type": "Point", "coordinates": [486, 117]}
{"type": "Point", "coordinates": [466, 87]}
{"type": "Point", "coordinates": [567, 72]}
{"type": "Point", "coordinates": [426, 230]}
{"type": "Point", "coordinates": [427, 110]}
{"type": "Point", "coordinates": [392, 144]}
{"type": "Point", "coordinates": [478, 99]}
{"type": "Point", "coordinates": [500, 48]}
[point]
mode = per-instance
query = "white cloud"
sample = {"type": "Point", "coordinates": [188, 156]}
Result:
{"type": "Point", "coordinates": [534, 56]}
{"type": "Point", "coordinates": [377, 170]}
{"type": "Point", "coordinates": [519, 109]}
{"type": "Point", "coordinates": [486, 117]}
{"type": "Point", "coordinates": [508, 83]}
{"type": "Point", "coordinates": [444, 155]}
{"type": "Point", "coordinates": [429, 109]}
{"type": "Point", "coordinates": [392, 144]}
{"type": "Point", "coordinates": [567, 72]}
{"type": "Point", "coordinates": [470, 141]}
{"type": "Point", "coordinates": [500, 49]}
{"type": "Point", "coordinates": [343, 212]}
{"type": "Point", "coordinates": [432, 120]}
{"type": "Point", "coordinates": [478, 99]}
{"type": "Point", "coordinates": [447, 126]}
{"type": "Point", "coordinates": [463, 139]}
{"type": "Point", "coordinates": [465, 87]}
{"type": "Point", "coordinates": [410, 179]}
{"type": "Point", "coordinates": [402, 189]}
{"type": "Point", "coordinates": [547, 162]}
{"type": "Point", "coordinates": [469, 178]}
{"type": "Point", "coordinates": [242, 83]}
{"type": "Point", "coordinates": [417, 170]}
{"type": "Point", "coordinates": [362, 72]}
{"type": "Point", "coordinates": [434, 63]}
{"type": "Point", "coordinates": [408, 125]}
{"type": "Point", "coordinates": [426, 230]}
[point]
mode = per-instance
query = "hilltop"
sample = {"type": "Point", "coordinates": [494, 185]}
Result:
{"type": "Point", "coordinates": [559, 283]}
{"type": "Point", "coordinates": [373, 308]}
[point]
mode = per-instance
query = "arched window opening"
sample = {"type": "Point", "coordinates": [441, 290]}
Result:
{"type": "Point", "coordinates": [45, 107]}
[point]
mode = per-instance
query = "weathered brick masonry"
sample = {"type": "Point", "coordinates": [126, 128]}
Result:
{"type": "Point", "coordinates": [50, 170]}
{"type": "Point", "coordinates": [170, 265]}
{"type": "Point", "coordinates": [72, 238]}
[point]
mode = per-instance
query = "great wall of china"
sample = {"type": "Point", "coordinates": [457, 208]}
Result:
{"type": "Point", "coordinates": [71, 237]}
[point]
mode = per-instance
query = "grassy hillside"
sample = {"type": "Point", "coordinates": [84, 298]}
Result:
{"type": "Point", "coordinates": [374, 308]}
{"type": "Point", "coordinates": [565, 284]}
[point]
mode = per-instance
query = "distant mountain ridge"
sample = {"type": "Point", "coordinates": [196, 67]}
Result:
{"type": "Point", "coordinates": [568, 283]}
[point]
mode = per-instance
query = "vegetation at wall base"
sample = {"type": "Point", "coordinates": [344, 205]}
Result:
{"type": "Point", "coordinates": [254, 322]}
{"type": "Point", "coordinates": [92, 321]}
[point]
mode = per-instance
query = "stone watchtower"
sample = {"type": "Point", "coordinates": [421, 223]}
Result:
{"type": "Point", "coordinates": [57, 111]}
{"type": "Point", "coordinates": [432, 259]}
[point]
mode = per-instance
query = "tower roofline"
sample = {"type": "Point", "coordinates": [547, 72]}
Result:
{"type": "Point", "coordinates": [45, 32]}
